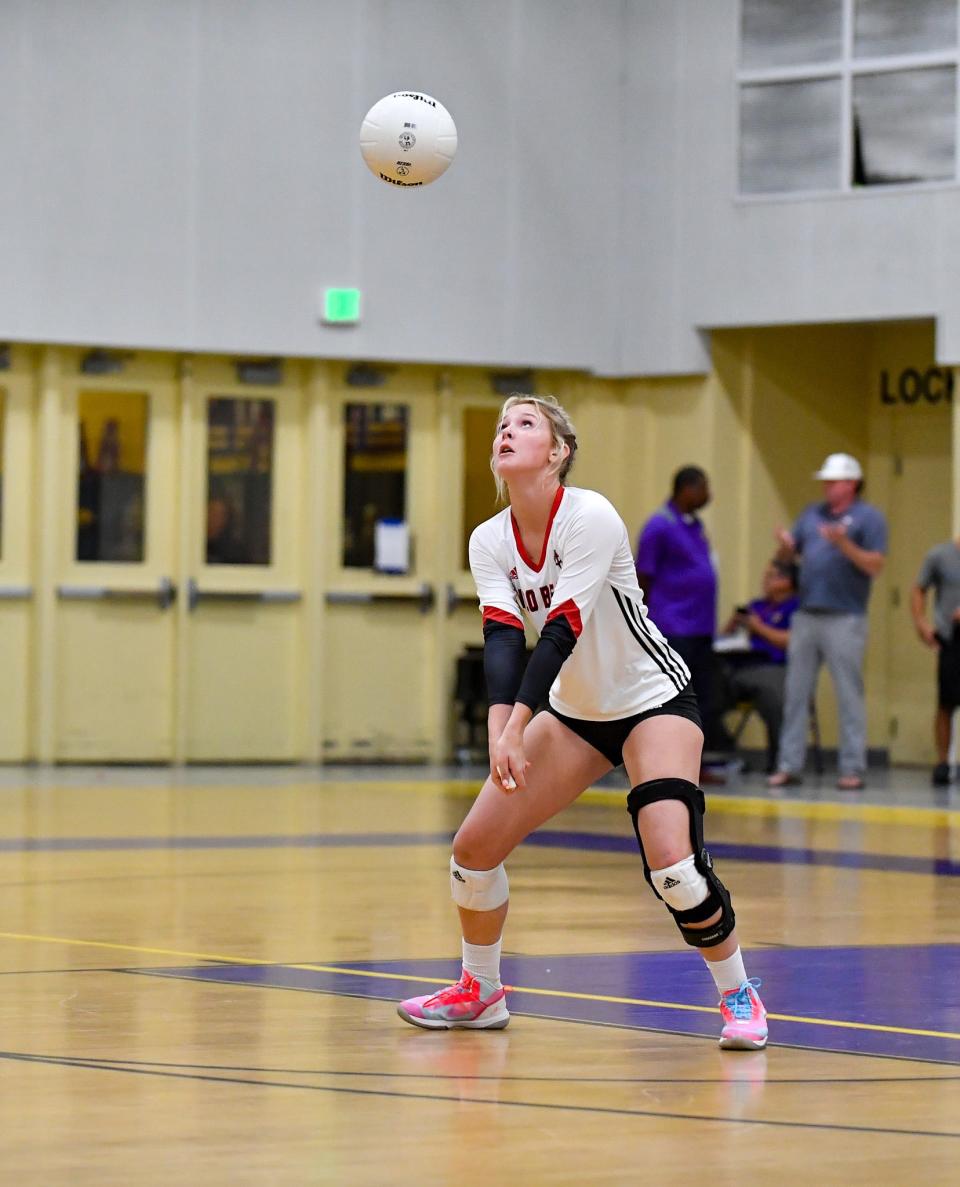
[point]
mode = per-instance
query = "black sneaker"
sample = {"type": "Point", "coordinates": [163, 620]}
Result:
{"type": "Point", "coordinates": [941, 775]}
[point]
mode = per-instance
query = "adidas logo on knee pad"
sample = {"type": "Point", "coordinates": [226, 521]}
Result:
{"type": "Point", "coordinates": [478, 890]}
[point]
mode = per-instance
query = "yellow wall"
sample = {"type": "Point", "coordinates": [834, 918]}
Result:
{"type": "Point", "coordinates": [775, 403]}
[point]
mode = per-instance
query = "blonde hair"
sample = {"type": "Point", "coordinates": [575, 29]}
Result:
{"type": "Point", "coordinates": [562, 431]}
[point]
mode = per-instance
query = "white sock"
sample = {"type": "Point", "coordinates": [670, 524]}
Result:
{"type": "Point", "coordinates": [727, 974]}
{"type": "Point", "coordinates": [483, 960]}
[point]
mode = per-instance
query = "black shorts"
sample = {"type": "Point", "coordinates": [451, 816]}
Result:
{"type": "Point", "coordinates": [609, 736]}
{"type": "Point", "coordinates": [948, 672]}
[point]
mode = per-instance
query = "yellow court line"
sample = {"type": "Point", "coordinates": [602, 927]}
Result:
{"type": "Point", "coordinates": [729, 804]}
{"type": "Point", "coordinates": [829, 810]}
{"type": "Point", "coordinates": [718, 804]}
{"type": "Point", "coordinates": [561, 993]}
{"type": "Point", "coordinates": [743, 805]}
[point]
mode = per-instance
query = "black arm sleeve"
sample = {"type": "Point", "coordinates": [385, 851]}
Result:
{"type": "Point", "coordinates": [556, 642]}
{"type": "Point", "coordinates": [504, 658]}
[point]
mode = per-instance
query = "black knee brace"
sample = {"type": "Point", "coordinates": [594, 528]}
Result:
{"type": "Point", "coordinates": [718, 897]}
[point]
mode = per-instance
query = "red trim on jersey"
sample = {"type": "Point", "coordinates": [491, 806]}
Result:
{"type": "Point", "coordinates": [571, 613]}
{"type": "Point", "coordinates": [524, 555]}
{"type": "Point", "coordinates": [495, 614]}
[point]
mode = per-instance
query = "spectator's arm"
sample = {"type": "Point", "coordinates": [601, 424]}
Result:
{"type": "Point", "coordinates": [786, 546]}
{"type": "Point", "coordinates": [918, 608]}
{"type": "Point", "coordinates": [869, 557]}
{"type": "Point", "coordinates": [776, 636]}
{"type": "Point", "coordinates": [867, 561]}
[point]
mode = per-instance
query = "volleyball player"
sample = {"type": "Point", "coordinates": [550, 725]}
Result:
{"type": "Point", "coordinates": [561, 557]}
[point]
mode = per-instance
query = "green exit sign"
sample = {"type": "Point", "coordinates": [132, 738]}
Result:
{"type": "Point", "coordinates": [341, 306]}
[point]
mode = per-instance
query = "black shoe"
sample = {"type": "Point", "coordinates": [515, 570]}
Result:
{"type": "Point", "coordinates": [941, 775]}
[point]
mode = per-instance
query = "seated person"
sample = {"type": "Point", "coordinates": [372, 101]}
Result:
{"type": "Point", "coordinates": [756, 674]}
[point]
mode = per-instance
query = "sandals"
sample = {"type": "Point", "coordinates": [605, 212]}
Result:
{"type": "Point", "coordinates": [789, 779]}
{"type": "Point", "coordinates": [783, 779]}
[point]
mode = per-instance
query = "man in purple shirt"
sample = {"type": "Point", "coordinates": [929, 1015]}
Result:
{"type": "Point", "coordinates": [676, 571]}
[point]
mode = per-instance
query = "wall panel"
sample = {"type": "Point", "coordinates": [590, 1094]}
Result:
{"type": "Point", "coordinates": [188, 175]}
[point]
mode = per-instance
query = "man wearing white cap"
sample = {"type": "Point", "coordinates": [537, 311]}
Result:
{"type": "Point", "coordinates": [840, 544]}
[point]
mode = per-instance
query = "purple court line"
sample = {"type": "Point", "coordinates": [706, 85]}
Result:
{"type": "Point", "coordinates": [894, 989]}
{"type": "Point", "coordinates": [546, 839]}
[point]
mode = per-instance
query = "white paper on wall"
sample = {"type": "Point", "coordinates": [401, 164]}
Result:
{"type": "Point", "coordinates": [391, 546]}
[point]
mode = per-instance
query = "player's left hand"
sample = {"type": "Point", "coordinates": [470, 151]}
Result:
{"type": "Point", "coordinates": [508, 763]}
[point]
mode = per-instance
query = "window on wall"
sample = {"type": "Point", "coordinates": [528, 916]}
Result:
{"type": "Point", "coordinates": [837, 95]}
{"type": "Point", "coordinates": [374, 475]}
{"type": "Point", "coordinates": [112, 476]}
{"type": "Point", "coordinates": [240, 436]}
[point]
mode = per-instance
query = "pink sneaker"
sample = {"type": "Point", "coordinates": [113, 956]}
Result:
{"type": "Point", "coordinates": [744, 1018]}
{"type": "Point", "coordinates": [470, 1004]}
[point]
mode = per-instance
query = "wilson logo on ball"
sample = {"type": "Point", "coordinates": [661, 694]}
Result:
{"type": "Point", "coordinates": [427, 151]}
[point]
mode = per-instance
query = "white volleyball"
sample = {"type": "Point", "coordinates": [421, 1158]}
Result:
{"type": "Point", "coordinates": [408, 139]}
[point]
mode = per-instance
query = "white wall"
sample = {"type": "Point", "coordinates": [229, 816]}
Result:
{"type": "Point", "coordinates": [719, 261]}
{"type": "Point", "coordinates": [186, 173]}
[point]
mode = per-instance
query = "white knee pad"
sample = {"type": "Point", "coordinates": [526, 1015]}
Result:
{"type": "Point", "coordinates": [681, 886]}
{"type": "Point", "coordinates": [479, 890]}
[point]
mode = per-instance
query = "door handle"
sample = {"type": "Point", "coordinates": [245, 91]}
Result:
{"type": "Point", "coordinates": [195, 595]}
{"type": "Point", "coordinates": [455, 599]}
{"type": "Point", "coordinates": [423, 597]}
{"type": "Point", "coordinates": [15, 593]}
{"type": "Point", "coordinates": [164, 595]}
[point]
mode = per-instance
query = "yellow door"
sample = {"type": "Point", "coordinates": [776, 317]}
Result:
{"type": "Point", "coordinates": [243, 648]}
{"type": "Point", "coordinates": [379, 693]}
{"type": "Point", "coordinates": [17, 618]}
{"type": "Point", "coordinates": [110, 422]}
{"type": "Point", "coordinates": [470, 411]}
{"type": "Point", "coordinates": [919, 517]}
{"type": "Point", "coordinates": [402, 462]}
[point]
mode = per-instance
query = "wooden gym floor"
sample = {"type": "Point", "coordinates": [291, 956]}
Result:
{"type": "Point", "coordinates": [199, 971]}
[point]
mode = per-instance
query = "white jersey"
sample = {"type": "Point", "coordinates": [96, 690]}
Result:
{"type": "Point", "coordinates": [621, 663]}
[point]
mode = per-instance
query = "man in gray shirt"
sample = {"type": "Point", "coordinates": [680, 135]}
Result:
{"type": "Point", "coordinates": [941, 572]}
{"type": "Point", "coordinates": [840, 544]}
